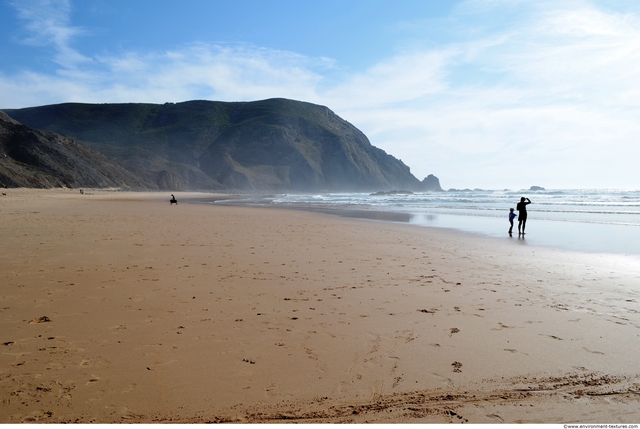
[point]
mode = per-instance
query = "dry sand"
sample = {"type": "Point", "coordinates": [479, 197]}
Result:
{"type": "Point", "coordinates": [117, 307]}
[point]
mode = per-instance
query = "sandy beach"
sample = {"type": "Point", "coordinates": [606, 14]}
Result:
{"type": "Point", "coordinates": [117, 307]}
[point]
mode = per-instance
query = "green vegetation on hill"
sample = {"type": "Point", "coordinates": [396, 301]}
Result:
{"type": "Point", "coordinates": [276, 144]}
{"type": "Point", "coordinates": [42, 159]}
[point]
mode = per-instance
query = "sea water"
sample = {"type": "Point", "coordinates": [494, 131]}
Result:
{"type": "Point", "coordinates": [601, 221]}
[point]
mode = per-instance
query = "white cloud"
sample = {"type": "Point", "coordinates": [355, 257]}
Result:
{"type": "Point", "coordinates": [560, 103]}
{"type": "Point", "coordinates": [216, 72]}
{"type": "Point", "coordinates": [228, 73]}
{"type": "Point", "coordinates": [554, 96]}
{"type": "Point", "coordinates": [47, 23]}
{"type": "Point", "coordinates": [398, 79]}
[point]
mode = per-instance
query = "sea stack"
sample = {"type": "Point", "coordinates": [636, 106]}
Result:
{"type": "Point", "coordinates": [431, 183]}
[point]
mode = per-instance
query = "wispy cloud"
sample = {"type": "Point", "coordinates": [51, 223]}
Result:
{"type": "Point", "coordinates": [403, 78]}
{"type": "Point", "coordinates": [555, 97]}
{"type": "Point", "coordinates": [557, 92]}
{"type": "Point", "coordinates": [48, 24]}
{"type": "Point", "coordinates": [204, 71]}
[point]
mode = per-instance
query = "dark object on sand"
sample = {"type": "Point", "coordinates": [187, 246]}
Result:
{"type": "Point", "coordinates": [173, 200]}
{"type": "Point", "coordinates": [41, 319]}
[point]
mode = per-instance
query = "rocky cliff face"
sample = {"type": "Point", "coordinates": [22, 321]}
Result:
{"type": "Point", "coordinates": [270, 145]}
{"type": "Point", "coordinates": [41, 159]}
{"type": "Point", "coordinates": [430, 183]}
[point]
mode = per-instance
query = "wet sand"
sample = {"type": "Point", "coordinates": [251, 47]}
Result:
{"type": "Point", "coordinates": [117, 307]}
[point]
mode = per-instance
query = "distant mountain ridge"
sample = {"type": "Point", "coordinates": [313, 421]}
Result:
{"type": "Point", "coordinates": [268, 145]}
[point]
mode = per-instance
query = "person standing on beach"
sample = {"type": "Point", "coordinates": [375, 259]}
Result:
{"type": "Point", "coordinates": [522, 214]}
{"type": "Point", "coordinates": [512, 216]}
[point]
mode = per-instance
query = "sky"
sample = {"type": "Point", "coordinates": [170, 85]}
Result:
{"type": "Point", "coordinates": [491, 94]}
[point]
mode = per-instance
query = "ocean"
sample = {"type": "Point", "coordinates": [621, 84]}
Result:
{"type": "Point", "coordinates": [587, 220]}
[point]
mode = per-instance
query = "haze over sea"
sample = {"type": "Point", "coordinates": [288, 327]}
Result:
{"type": "Point", "coordinates": [587, 220]}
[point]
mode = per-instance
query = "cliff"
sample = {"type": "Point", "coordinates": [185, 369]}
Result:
{"type": "Point", "coordinates": [42, 159]}
{"type": "Point", "coordinates": [430, 183]}
{"type": "Point", "coordinates": [269, 145]}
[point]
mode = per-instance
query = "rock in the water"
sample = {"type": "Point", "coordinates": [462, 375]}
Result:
{"type": "Point", "coordinates": [431, 183]}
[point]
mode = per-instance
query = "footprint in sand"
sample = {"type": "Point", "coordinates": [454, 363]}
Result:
{"type": "Point", "coordinates": [502, 326]}
{"type": "Point", "coordinates": [130, 388]}
{"type": "Point", "coordinates": [515, 351]}
{"type": "Point", "coordinates": [126, 414]}
{"type": "Point", "coordinates": [397, 381]}
{"type": "Point", "coordinates": [93, 380]}
{"type": "Point", "coordinates": [593, 351]}
{"type": "Point", "coordinates": [496, 417]}
{"type": "Point", "coordinates": [440, 378]}
{"type": "Point", "coordinates": [552, 336]}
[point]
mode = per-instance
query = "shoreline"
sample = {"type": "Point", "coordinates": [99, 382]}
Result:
{"type": "Point", "coordinates": [588, 238]}
{"type": "Point", "coordinates": [192, 313]}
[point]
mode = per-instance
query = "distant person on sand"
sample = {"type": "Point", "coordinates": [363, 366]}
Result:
{"type": "Point", "coordinates": [522, 214]}
{"type": "Point", "coordinates": [512, 216]}
{"type": "Point", "coordinates": [173, 200]}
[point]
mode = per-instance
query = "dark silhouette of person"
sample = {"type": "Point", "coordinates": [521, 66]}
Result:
{"type": "Point", "coordinates": [512, 216]}
{"type": "Point", "coordinates": [522, 214]}
{"type": "Point", "coordinates": [173, 200]}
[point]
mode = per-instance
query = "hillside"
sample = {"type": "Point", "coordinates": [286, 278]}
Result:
{"type": "Point", "coordinates": [269, 145]}
{"type": "Point", "coordinates": [42, 159]}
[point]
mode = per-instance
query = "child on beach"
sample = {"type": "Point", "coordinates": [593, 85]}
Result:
{"type": "Point", "coordinates": [512, 216]}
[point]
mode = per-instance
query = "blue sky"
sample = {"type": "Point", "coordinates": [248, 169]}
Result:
{"type": "Point", "coordinates": [486, 94]}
